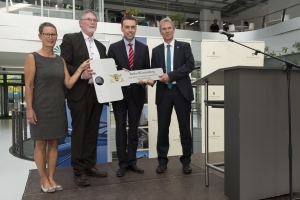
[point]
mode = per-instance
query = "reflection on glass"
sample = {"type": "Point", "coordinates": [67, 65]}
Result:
{"type": "Point", "coordinates": [14, 77]}
{"type": "Point", "coordinates": [58, 9]}
{"type": "Point", "coordinates": [111, 16]}
{"type": "Point", "coordinates": [1, 99]}
{"type": "Point", "coordinates": [28, 7]}
{"type": "Point", "coordinates": [14, 97]}
{"type": "Point", "coordinates": [192, 24]}
{"type": "Point", "coordinates": [150, 18]}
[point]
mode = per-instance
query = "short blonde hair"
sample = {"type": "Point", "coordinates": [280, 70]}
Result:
{"type": "Point", "coordinates": [164, 20]}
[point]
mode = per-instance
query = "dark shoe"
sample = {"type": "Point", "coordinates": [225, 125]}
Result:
{"type": "Point", "coordinates": [95, 173]}
{"type": "Point", "coordinates": [121, 172]}
{"type": "Point", "coordinates": [136, 169]}
{"type": "Point", "coordinates": [82, 180]}
{"type": "Point", "coordinates": [161, 168]}
{"type": "Point", "coordinates": [187, 169]}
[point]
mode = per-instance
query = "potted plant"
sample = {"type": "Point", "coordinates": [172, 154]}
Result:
{"type": "Point", "coordinates": [178, 18]}
{"type": "Point", "coordinates": [289, 54]}
{"type": "Point", "coordinates": [136, 13]}
{"type": "Point", "coordinates": [133, 12]}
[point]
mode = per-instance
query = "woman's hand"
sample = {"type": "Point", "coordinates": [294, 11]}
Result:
{"type": "Point", "coordinates": [84, 65]}
{"type": "Point", "coordinates": [31, 116]}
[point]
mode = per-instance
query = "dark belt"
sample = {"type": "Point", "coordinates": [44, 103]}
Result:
{"type": "Point", "coordinates": [91, 85]}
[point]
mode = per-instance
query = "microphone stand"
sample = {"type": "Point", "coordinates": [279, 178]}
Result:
{"type": "Point", "coordinates": [287, 68]}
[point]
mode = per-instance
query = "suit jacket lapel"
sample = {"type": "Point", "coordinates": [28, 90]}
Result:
{"type": "Point", "coordinates": [162, 57]}
{"type": "Point", "coordinates": [177, 47]}
{"type": "Point", "coordinates": [83, 44]}
{"type": "Point", "coordinates": [124, 53]}
{"type": "Point", "coordinates": [100, 49]}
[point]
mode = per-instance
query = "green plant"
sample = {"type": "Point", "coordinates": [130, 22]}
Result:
{"type": "Point", "coordinates": [284, 51]}
{"type": "Point", "coordinates": [178, 17]}
{"type": "Point", "coordinates": [133, 12]}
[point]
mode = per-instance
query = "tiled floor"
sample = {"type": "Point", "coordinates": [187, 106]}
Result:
{"type": "Point", "coordinates": [14, 171]}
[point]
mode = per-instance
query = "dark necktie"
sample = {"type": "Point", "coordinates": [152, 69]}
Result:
{"type": "Point", "coordinates": [131, 56]}
{"type": "Point", "coordinates": [169, 64]}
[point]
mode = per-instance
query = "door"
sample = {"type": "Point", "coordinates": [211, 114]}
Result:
{"type": "Point", "coordinates": [1, 100]}
{"type": "Point", "coordinates": [15, 97]}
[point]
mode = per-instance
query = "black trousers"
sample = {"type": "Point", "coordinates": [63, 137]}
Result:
{"type": "Point", "coordinates": [85, 115]}
{"type": "Point", "coordinates": [126, 151]}
{"type": "Point", "coordinates": [173, 97]}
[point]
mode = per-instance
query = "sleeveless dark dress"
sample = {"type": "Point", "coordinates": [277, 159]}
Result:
{"type": "Point", "coordinates": [48, 99]}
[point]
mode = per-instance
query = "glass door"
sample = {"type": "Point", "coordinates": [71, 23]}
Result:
{"type": "Point", "coordinates": [15, 97]}
{"type": "Point", "coordinates": [1, 100]}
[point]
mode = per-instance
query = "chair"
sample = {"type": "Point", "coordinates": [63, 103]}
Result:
{"type": "Point", "coordinates": [231, 28]}
{"type": "Point", "coordinates": [251, 27]}
{"type": "Point", "coordinates": [286, 17]}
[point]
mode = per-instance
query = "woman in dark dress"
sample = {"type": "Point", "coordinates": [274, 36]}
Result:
{"type": "Point", "coordinates": [45, 76]}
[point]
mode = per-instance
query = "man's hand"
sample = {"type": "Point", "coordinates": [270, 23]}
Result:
{"type": "Point", "coordinates": [150, 82]}
{"type": "Point", "coordinates": [141, 82]}
{"type": "Point", "coordinates": [126, 70]}
{"type": "Point", "coordinates": [164, 78]}
{"type": "Point", "coordinates": [87, 74]}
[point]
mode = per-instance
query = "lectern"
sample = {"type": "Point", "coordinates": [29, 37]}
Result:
{"type": "Point", "coordinates": [256, 130]}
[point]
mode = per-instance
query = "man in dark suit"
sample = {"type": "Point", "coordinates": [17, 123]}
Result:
{"type": "Point", "coordinates": [173, 89]}
{"type": "Point", "coordinates": [129, 54]}
{"type": "Point", "coordinates": [82, 100]}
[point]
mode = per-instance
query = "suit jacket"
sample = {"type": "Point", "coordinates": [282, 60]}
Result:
{"type": "Point", "coordinates": [75, 52]}
{"type": "Point", "coordinates": [117, 51]}
{"type": "Point", "coordinates": [183, 65]}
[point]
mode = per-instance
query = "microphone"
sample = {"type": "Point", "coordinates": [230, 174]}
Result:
{"type": "Point", "coordinates": [226, 33]}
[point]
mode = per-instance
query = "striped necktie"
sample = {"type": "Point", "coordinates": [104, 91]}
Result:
{"type": "Point", "coordinates": [169, 64]}
{"type": "Point", "coordinates": [131, 56]}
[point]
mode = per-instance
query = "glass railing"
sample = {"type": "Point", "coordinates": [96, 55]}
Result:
{"type": "Point", "coordinates": [66, 9]}
{"type": "Point", "coordinates": [270, 19]}
{"type": "Point", "coordinates": [70, 9]}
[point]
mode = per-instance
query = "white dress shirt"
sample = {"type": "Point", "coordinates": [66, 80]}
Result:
{"type": "Point", "coordinates": [127, 46]}
{"type": "Point", "coordinates": [92, 49]}
{"type": "Point", "coordinates": [172, 55]}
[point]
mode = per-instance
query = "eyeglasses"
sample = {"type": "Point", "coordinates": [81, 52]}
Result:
{"type": "Point", "coordinates": [48, 35]}
{"type": "Point", "coordinates": [90, 20]}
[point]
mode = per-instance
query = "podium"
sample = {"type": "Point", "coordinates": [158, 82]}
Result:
{"type": "Point", "coordinates": [256, 130]}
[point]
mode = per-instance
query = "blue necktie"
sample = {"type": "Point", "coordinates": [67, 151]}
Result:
{"type": "Point", "coordinates": [169, 64]}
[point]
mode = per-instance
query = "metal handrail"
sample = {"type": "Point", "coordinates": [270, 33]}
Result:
{"type": "Point", "coordinates": [20, 135]}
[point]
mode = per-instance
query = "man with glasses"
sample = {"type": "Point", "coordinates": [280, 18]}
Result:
{"type": "Point", "coordinates": [82, 101]}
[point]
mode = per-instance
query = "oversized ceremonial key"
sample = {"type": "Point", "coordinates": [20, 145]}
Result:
{"type": "Point", "coordinates": [108, 80]}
